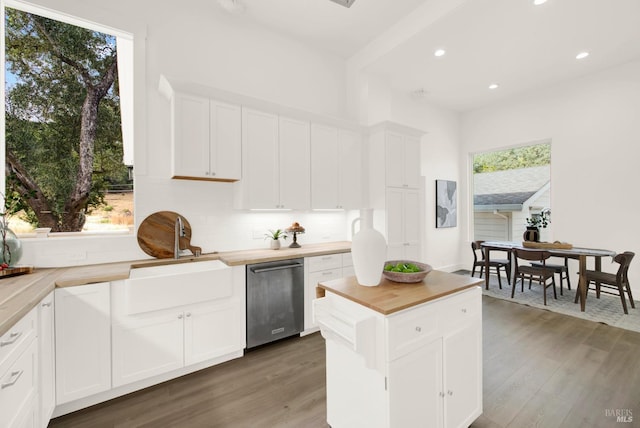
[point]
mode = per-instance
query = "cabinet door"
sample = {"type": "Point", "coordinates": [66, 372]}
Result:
{"type": "Point", "coordinates": [210, 331]}
{"type": "Point", "coordinates": [191, 136]}
{"type": "Point", "coordinates": [19, 389]}
{"type": "Point", "coordinates": [350, 169]}
{"type": "Point", "coordinates": [402, 156]}
{"type": "Point", "coordinates": [411, 162]}
{"type": "Point", "coordinates": [324, 167]}
{"type": "Point", "coordinates": [394, 159]}
{"type": "Point", "coordinates": [83, 341]}
{"type": "Point", "coordinates": [415, 388]}
{"type": "Point", "coordinates": [403, 224]}
{"type": "Point", "coordinates": [46, 343]}
{"type": "Point", "coordinates": [260, 176]}
{"type": "Point", "coordinates": [395, 223]}
{"type": "Point", "coordinates": [294, 161]}
{"type": "Point", "coordinates": [463, 375]}
{"type": "Point", "coordinates": [225, 139]}
{"type": "Point", "coordinates": [147, 345]}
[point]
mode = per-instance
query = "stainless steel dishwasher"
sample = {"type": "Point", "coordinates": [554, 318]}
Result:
{"type": "Point", "coordinates": [275, 300]}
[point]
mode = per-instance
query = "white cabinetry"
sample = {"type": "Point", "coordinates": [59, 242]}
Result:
{"type": "Point", "coordinates": [336, 168]}
{"type": "Point", "coordinates": [206, 140]}
{"type": "Point", "coordinates": [155, 342]}
{"type": "Point", "coordinates": [19, 374]}
{"type": "Point", "coordinates": [447, 363]}
{"type": "Point", "coordinates": [395, 188]}
{"type": "Point", "coordinates": [320, 269]}
{"type": "Point", "coordinates": [403, 224]}
{"type": "Point", "coordinates": [402, 160]}
{"type": "Point", "coordinates": [423, 366]}
{"type": "Point", "coordinates": [46, 343]}
{"type": "Point", "coordinates": [83, 341]}
{"type": "Point", "coordinates": [275, 162]}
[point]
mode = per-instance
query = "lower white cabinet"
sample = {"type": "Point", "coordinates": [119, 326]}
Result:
{"type": "Point", "coordinates": [158, 342]}
{"type": "Point", "coordinates": [319, 269]}
{"type": "Point", "coordinates": [421, 367]}
{"type": "Point", "coordinates": [19, 374]}
{"type": "Point", "coordinates": [46, 343]}
{"type": "Point", "coordinates": [83, 341]}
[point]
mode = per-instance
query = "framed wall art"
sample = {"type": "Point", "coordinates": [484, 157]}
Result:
{"type": "Point", "coordinates": [446, 203]}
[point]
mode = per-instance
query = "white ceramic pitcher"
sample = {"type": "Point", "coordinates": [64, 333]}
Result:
{"type": "Point", "coordinates": [368, 250]}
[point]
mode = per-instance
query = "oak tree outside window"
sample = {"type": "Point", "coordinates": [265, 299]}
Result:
{"type": "Point", "coordinates": [67, 107]}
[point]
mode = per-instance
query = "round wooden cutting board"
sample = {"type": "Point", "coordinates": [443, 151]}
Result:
{"type": "Point", "coordinates": [156, 234]}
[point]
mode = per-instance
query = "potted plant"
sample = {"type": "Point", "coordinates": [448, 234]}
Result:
{"type": "Point", "coordinates": [535, 223]}
{"type": "Point", "coordinates": [275, 236]}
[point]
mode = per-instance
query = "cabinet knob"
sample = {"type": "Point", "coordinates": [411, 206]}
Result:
{"type": "Point", "coordinates": [213, 173]}
{"type": "Point", "coordinates": [188, 314]}
{"type": "Point", "coordinates": [418, 329]}
{"type": "Point", "coordinates": [12, 379]}
{"type": "Point", "coordinates": [180, 316]}
{"type": "Point", "coordinates": [46, 305]}
{"type": "Point", "coordinates": [464, 310]}
{"type": "Point", "coordinates": [12, 338]}
{"type": "Point", "coordinates": [450, 392]}
{"type": "Point", "coordinates": [206, 173]}
{"type": "Point", "coordinates": [441, 394]}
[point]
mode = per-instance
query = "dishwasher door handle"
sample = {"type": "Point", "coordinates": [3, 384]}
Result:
{"type": "Point", "coordinates": [272, 268]}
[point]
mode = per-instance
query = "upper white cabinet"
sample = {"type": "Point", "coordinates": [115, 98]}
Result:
{"type": "Point", "coordinates": [336, 168]}
{"type": "Point", "coordinates": [83, 341]}
{"type": "Point", "coordinates": [206, 141]}
{"type": "Point", "coordinates": [275, 162]}
{"type": "Point", "coordinates": [402, 160]}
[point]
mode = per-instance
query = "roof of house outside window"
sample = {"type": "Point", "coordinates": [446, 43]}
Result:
{"type": "Point", "coordinates": [508, 190]}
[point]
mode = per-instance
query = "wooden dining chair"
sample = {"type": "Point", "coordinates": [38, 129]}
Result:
{"type": "Point", "coordinates": [496, 264]}
{"type": "Point", "coordinates": [539, 274]}
{"type": "Point", "coordinates": [562, 270]}
{"type": "Point", "coordinates": [616, 284]}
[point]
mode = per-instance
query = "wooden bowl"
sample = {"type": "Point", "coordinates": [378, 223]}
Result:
{"type": "Point", "coordinates": [407, 277]}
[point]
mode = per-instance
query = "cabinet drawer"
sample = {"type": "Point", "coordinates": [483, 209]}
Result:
{"type": "Point", "coordinates": [410, 330]}
{"type": "Point", "coordinates": [462, 308]}
{"type": "Point", "coordinates": [329, 261]}
{"type": "Point", "coordinates": [17, 338]}
{"type": "Point", "coordinates": [18, 387]}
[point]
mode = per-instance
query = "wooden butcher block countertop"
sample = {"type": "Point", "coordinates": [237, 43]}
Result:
{"type": "Point", "coordinates": [19, 294]}
{"type": "Point", "coordinates": [390, 297]}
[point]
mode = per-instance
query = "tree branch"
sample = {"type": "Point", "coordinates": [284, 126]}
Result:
{"type": "Point", "coordinates": [55, 48]}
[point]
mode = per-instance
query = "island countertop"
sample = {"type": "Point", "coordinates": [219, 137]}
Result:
{"type": "Point", "coordinates": [390, 297]}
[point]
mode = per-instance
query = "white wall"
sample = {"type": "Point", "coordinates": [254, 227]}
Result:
{"type": "Point", "coordinates": [594, 127]}
{"type": "Point", "coordinates": [196, 41]}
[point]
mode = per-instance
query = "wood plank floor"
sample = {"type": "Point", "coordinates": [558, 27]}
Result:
{"type": "Point", "coordinates": [541, 369]}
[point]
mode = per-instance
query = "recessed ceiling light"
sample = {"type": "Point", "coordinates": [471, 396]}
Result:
{"type": "Point", "coordinates": [493, 86]}
{"type": "Point", "coordinates": [582, 55]}
{"type": "Point", "coordinates": [539, 2]}
{"type": "Point", "coordinates": [439, 52]}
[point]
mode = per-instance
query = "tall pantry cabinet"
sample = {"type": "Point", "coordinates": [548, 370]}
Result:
{"type": "Point", "coordinates": [396, 192]}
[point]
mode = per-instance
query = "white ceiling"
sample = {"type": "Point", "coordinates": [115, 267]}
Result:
{"type": "Point", "coordinates": [520, 46]}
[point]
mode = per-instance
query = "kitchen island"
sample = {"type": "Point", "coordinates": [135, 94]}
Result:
{"type": "Point", "coordinates": [402, 354]}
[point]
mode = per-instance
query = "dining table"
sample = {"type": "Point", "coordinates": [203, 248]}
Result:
{"type": "Point", "coordinates": [577, 253]}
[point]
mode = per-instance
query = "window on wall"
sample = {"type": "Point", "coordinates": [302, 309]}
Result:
{"type": "Point", "coordinates": [509, 186]}
{"type": "Point", "coordinates": [67, 124]}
